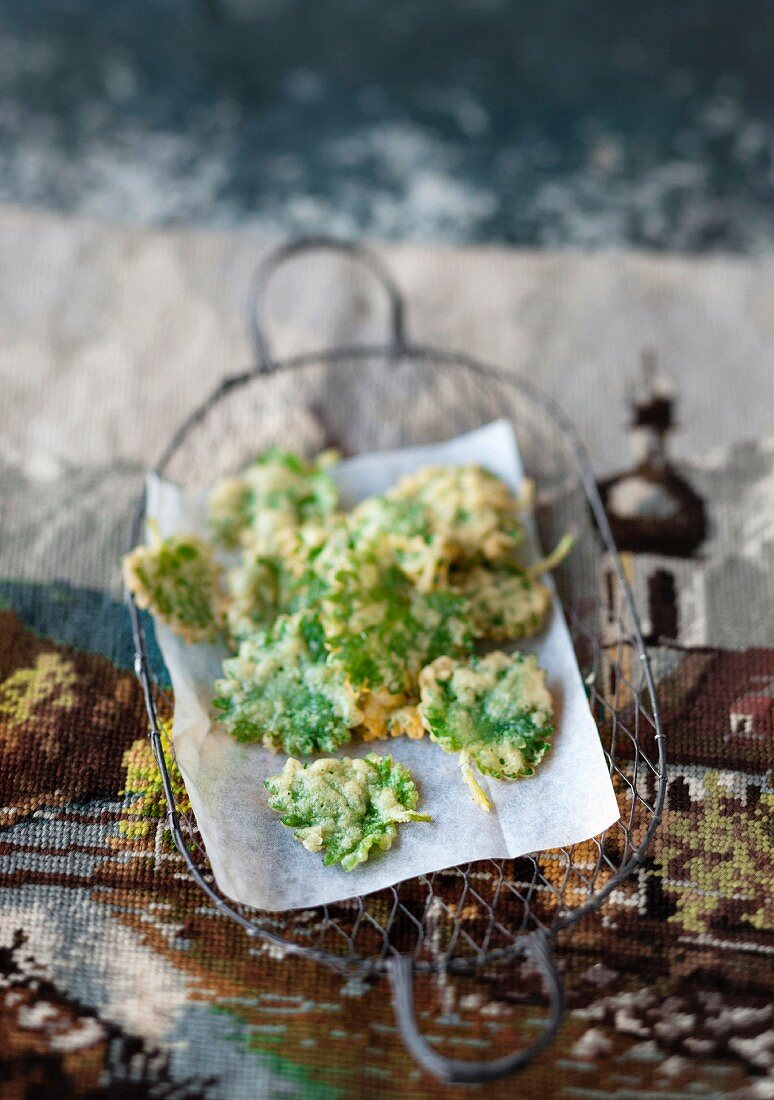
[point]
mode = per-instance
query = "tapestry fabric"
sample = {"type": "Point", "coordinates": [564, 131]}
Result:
{"type": "Point", "coordinates": [117, 977]}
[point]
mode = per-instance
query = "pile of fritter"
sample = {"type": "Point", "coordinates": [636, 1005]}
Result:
{"type": "Point", "coordinates": [364, 625]}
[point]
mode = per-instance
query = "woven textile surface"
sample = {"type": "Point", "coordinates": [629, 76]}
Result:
{"type": "Point", "coordinates": [116, 977]}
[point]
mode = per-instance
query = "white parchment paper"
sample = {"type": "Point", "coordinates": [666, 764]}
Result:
{"type": "Point", "coordinates": [256, 860]}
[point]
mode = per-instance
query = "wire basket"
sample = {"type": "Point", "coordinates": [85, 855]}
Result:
{"type": "Point", "coordinates": [490, 912]}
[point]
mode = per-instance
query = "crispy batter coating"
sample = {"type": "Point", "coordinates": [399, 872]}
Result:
{"type": "Point", "coordinates": [378, 707]}
{"type": "Point", "coordinates": [279, 690]}
{"type": "Point", "coordinates": [256, 589]}
{"type": "Point", "coordinates": [276, 493]}
{"type": "Point", "coordinates": [471, 508]}
{"type": "Point", "coordinates": [495, 711]}
{"type": "Point", "coordinates": [505, 601]}
{"type": "Point", "coordinates": [179, 580]}
{"type": "Point", "coordinates": [262, 586]}
{"type": "Point", "coordinates": [380, 630]}
{"type": "Point", "coordinates": [406, 722]}
{"type": "Point", "coordinates": [345, 807]}
{"type": "Point", "coordinates": [407, 527]}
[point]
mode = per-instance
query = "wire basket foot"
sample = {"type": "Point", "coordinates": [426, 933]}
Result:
{"type": "Point", "coordinates": [455, 1071]}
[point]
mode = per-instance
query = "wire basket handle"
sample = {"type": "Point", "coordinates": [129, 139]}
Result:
{"type": "Point", "coordinates": [456, 1071]}
{"type": "Point", "coordinates": [357, 252]}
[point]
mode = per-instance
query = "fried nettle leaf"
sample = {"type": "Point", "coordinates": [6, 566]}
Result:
{"type": "Point", "coordinates": [255, 594]}
{"type": "Point", "coordinates": [293, 578]}
{"type": "Point", "coordinates": [472, 508]}
{"type": "Point", "coordinates": [407, 527]}
{"type": "Point", "coordinates": [506, 602]}
{"type": "Point", "coordinates": [495, 711]}
{"type": "Point", "coordinates": [179, 580]}
{"type": "Point", "coordinates": [279, 691]}
{"type": "Point", "coordinates": [380, 629]}
{"type": "Point", "coordinates": [277, 492]}
{"type": "Point", "coordinates": [346, 807]}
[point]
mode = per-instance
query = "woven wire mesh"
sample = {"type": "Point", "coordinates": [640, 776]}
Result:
{"type": "Point", "coordinates": [369, 399]}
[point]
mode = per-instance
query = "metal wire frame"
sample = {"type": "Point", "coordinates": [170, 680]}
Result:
{"type": "Point", "coordinates": [517, 906]}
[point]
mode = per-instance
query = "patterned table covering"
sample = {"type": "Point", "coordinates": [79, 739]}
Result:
{"type": "Point", "coordinates": [116, 979]}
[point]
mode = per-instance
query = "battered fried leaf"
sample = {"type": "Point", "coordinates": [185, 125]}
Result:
{"type": "Point", "coordinates": [495, 711]}
{"type": "Point", "coordinates": [344, 808]}
{"type": "Point", "coordinates": [310, 555]}
{"type": "Point", "coordinates": [179, 580]}
{"type": "Point", "coordinates": [380, 630]}
{"type": "Point", "coordinates": [406, 527]}
{"type": "Point", "coordinates": [229, 511]}
{"type": "Point", "coordinates": [255, 595]}
{"type": "Point", "coordinates": [506, 602]}
{"type": "Point", "coordinates": [262, 586]}
{"type": "Point", "coordinates": [279, 691]}
{"type": "Point", "coordinates": [276, 493]}
{"type": "Point", "coordinates": [471, 509]}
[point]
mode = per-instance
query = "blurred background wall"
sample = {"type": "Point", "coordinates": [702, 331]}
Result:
{"type": "Point", "coordinates": [566, 123]}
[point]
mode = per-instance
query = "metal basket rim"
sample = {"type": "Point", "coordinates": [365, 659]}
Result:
{"type": "Point", "coordinates": [393, 353]}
